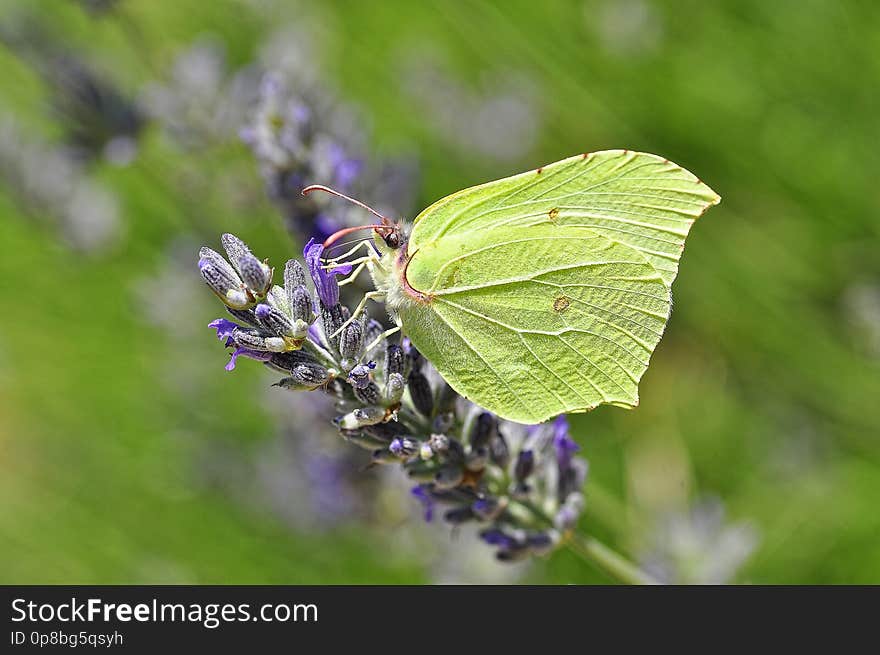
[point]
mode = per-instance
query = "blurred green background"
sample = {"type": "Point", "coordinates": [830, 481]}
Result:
{"type": "Point", "coordinates": [129, 456]}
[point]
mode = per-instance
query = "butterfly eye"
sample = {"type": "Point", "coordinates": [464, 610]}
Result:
{"type": "Point", "coordinates": [393, 239]}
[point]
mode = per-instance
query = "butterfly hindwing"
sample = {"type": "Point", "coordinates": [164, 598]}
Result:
{"type": "Point", "coordinates": [533, 321]}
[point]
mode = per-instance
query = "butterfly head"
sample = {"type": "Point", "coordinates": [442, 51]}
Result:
{"type": "Point", "coordinates": [387, 233]}
{"type": "Point", "coordinates": [392, 235]}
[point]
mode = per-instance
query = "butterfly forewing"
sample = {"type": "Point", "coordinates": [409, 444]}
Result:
{"type": "Point", "coordinates": [638, 199]}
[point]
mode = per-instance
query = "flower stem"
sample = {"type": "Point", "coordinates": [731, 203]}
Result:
{"type": "Point", "coordinates": [601, 556]}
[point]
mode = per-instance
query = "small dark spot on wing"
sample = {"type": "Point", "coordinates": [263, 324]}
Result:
{"type": "Point", "coordinates": [553, 213]}
{"type": "Point", "coordinates": [452, 279]}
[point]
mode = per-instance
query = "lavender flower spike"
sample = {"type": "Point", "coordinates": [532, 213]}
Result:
{"type": "Point", "coordinates": [521, 485]}
{"type": "Point", "coordinates": [325, 281]}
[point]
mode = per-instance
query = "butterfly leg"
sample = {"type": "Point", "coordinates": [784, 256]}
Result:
{"type": "Point", "coordinates": [377, 296]}
{"type": "Point", "coordinates": [361, 244]}
{"type": "Point", "coordinates": [357, 271]}
{"type": "Point", "coordinates": [353, 262]}
{"type": "Point", "coordinates": [381, 337]}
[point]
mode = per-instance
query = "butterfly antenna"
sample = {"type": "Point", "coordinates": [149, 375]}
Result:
{"type": "Point", "coordinates": [333, 238]}
{"type": "Point", "coordinates": [334, 192]}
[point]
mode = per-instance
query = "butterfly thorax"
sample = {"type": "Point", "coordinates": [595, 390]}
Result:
{"type": "Point", "coordinates": [388, 271]}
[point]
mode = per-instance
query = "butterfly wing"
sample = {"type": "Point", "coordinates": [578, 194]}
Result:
{"type": "Point", "coordinates": [545, 294]}
{"type": "Point", "coordinates": [635, 198]}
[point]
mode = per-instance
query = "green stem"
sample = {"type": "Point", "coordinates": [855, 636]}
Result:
{"type": "Point", "coordinates": [602, 556]}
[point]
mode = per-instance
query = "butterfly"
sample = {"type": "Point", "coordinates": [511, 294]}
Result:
{"type": "Point", "coordinates": [546, 292]}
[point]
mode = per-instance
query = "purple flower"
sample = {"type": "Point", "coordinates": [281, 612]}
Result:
{"type": "Point", "coordinates": [423, 493]}
{"type": "Point", "coordinates": [565, 446]}
{"type": "Point", "coordinates": [224, 329]}
{"type": "Point", "coordinates": [300, 113]}
{"type": "Point", "coordinates": [325, 281]}
{"type": "Point", "coordinates": [259, 355]}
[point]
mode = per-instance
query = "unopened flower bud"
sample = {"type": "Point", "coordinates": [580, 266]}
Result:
{"type": "Point", "coordinates": [305, 377]}
{"type": "Point", "coordinates": [420, 470]}
{"type": "Point", "coordinates": [256, 340]}
{"type": "Point", "coordinates": [499, 452]}
{"type": "Point", "coordinates": [458, 515]}
{"type": "Point", "coordinates": [487, 509]}
{"type": "Point", "coordinates": [372, 331]}
{"type": "Point", "coordinates": [482, 429]}
{"type": "Point", "coordinates": [361, 417]}
{"type": "Point", "coordinates": [289, 360]}
{"type": "Point", "coordinates": [294, 276]}
{"type": "Point", "coordinates": [274, 321]}
{"type": "Point", "coordinates": [224, 282]}
{"type": "Point", "coordinates": [368, 394]}
{"type": "Point", "coordinates": [245, 316]}
{"type": "Point", "coordinates": [276, 297]}
{"type": "Point", "coordinates": [386, 431]}
{"type": "Point", "coordinates": [256, 275]}
{"type": "Point", "coordinates": [235, 248]}
{"type": "Point", "coordinates": [500, 538]}
{"type": "Point", "coordinates": [476, 459]}
{"type": "Point", "coordinates": [301, 305]}
{"type": "Point", "coordinates": [443, 422]}
{"type": "Point", "coordinates": [514, 554]}
{"type": "Point", "coordinates": [404, 447]}
{"type": "Point", "coordinates": [420, 393]}
{"type": "Point", "coordinates": [446, 399]}
{"type": "Point", "coordinates": [449, 477]}
{"type": "Point", "coordinates": [525, 464]}
{"type": "Point", "coordinates": [394, 387]}
{"type": "Point", "coordinates": [541, 543]}
{"type": "Point", "coordinates": [394, 360]}
{"type": "Point", "coordinates": [351, 340]}
{"type": "Point", "coordinates": [425, 451]}
{"type": "Point", "coordinates": [363, 440]}
{"type": "Point", "coordinates": [414, 357]}
{"type": "Point", "coordinates": [384, 456]}
{"type": "Point", "coordinates": [331, 320]}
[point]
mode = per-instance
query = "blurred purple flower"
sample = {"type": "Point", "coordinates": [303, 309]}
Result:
{"type": "Point", "coordinates": [564, 444]}
{"type": "Point", "coordinates": [423, 494]}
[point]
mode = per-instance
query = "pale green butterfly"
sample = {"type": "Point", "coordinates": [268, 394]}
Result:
{"type": "Point", "coordinates": [545, 292]}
